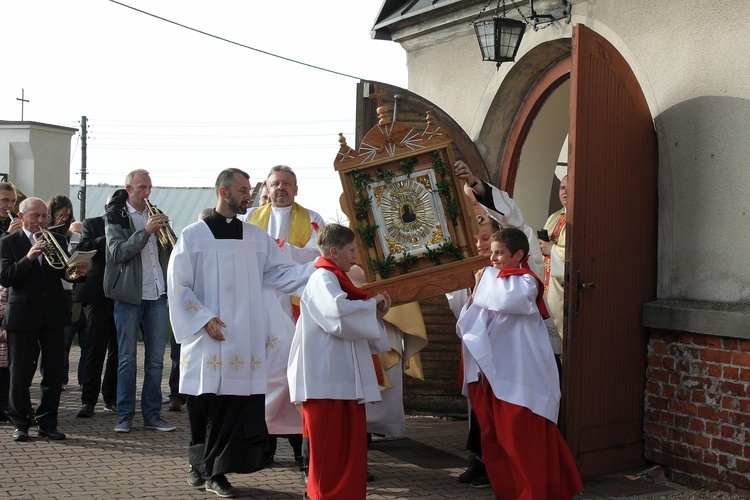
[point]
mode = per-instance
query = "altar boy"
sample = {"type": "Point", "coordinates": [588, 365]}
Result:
{"type": "Point", "coordinates": [331, 371]}
{"type": "Point", "coordinates": [512, 378]}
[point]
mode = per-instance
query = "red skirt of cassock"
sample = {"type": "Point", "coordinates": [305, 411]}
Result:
{"type": "Point", "coordinates": [337, 433]}
{"type": "Point", "coordinates": [525, 455]}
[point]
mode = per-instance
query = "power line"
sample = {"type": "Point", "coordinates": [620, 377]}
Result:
{"type": "Point", "coordinates": [157, 124]}
{"type": "Point", "coordinates": [193, 137]}
{"type": "Point", "coordinates": [236, 43]}
{"type": "Point", "coordinates": [131, 146]}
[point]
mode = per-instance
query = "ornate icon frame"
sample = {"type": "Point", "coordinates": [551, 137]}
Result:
{"type": "Point", "coordinates": [440, 257]}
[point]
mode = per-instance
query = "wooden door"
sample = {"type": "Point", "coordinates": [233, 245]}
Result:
{"type": "Point", "coordinates": [611, 272]}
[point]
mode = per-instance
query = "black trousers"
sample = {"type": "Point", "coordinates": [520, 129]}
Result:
{"type": "Point", "coordinates": [102, 338]}
{"type": "Point", "coordinates": [474, 440]}
{"type": "Point", "coordinates": [227, 433]}
{"type": "Point", "coordinates": [24, 348]}
{"type": "Point", "coordinates": [4, 388]}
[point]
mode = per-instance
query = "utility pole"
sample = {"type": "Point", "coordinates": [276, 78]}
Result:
{"type": "Point", "coordinates": [82, 192]}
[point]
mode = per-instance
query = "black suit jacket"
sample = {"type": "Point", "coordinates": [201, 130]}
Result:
{"type": "Point", "coordinates": [91, 292]}
{"type": "Point", "coordinates": [36, 297]}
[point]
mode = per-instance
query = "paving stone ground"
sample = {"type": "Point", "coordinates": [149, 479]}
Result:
{"type": "Point", "coordinates": [96, 462]}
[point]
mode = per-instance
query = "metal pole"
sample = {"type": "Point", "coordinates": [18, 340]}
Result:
{"type": "Point", "coordinates": [83, 168]}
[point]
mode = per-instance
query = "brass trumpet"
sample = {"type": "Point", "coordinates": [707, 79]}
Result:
{"type": "Point", "coordinates": [54, 254]}
{"type": "Point", "coordinates": [166, 236]}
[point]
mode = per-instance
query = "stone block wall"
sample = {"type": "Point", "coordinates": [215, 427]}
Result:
{"type": "Point", "coordinates": [697, 409]}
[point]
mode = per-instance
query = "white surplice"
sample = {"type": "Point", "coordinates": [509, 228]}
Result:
{"type": "Point", "coordinates": [457, 299]}
{"type": "Point", "coordinates": [506, 340]}
{"type": "Point", "coordinates": [331, 355]}
{"type": "Point", "coordinates": [225, 278]}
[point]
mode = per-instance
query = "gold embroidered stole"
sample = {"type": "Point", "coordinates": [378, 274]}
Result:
{"type": "Point", "coordinates": [299, 230]}
{"type": "Point", "coordinates": [299, 223]}
{"type": "Point", "coordinates": [553, 238]}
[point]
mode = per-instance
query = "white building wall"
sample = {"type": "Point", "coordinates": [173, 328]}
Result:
{"type": "Point", "coordinates": [36, 157]}
{"type": "Point", "coordinates": [691, 62]}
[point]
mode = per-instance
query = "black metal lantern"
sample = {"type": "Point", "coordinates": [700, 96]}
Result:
{"type": "Point", "coordinates": [499, 38]}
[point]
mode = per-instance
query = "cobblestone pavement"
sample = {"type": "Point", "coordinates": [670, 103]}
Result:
{"type": "Point", "coordinates": [96, 462]}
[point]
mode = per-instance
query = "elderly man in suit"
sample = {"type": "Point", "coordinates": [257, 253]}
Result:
{"type": "Point", "coordinates": [35, 318]}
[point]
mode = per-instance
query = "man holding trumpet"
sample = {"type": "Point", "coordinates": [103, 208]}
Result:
{"type": "Point", "coordinates": [135, 278]}
{"type": "Point", "coordinates": [9, 222]}
{"type": "Point", "coordinates": [36, 315]}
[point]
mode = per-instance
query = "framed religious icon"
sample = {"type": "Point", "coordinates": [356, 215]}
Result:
{"type": "Point", "coordinates": [413, 224]}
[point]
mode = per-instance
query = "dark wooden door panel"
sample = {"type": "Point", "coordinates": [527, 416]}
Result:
{"type": "Point", "coordinates": [611, 256]}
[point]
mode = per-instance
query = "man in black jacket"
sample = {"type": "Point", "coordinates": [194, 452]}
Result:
{"type": "Point", "coordinates": [7, 226]}
{"type": "Point", "coordinates": [35, 318]}
{"type": "Point", "coordinates": [100, 321]}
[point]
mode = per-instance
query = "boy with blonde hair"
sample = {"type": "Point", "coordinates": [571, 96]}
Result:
{"type": "Point", "coordinates": [331, 372]}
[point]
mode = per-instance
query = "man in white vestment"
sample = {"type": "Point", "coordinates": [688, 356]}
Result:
{"type": "Point", "coordinates": [554, 258]}
{"type": "Point", "coordinates": [285, 220]}
{"type": "Point", "coordinates": [407, 336]}
{"type": "Point", "coordinates": [293, 227]}
{"type": "Point", "coordinates": [228, 342]}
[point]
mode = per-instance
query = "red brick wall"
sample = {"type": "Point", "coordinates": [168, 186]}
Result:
{"type": "Point", "coordinates": [697, 409]}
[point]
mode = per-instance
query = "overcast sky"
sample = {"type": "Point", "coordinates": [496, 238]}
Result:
{"type": "Point", "coordinates": [185, 106]}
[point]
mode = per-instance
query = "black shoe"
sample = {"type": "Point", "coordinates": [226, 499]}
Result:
{"type": "Point", "coordinates": [221, 487]}
{"type": "Point", "coordinates": [370, 478]}
{"type": "Point", "coordinates": [5, 417]}
{"type": "Point", "coordinates": [194, 478]}
{"type": "Point", "coordinates": [51, 433]}
{"type": "Point", "coordinates": [86, 411]}
{"type": "Point", "coordinates": [110, 407]}
{"type": "Point", "coordinates": [20, 435]}
{"type": "Point", "coordinates": [481, 482]}
{"type": "Point", "coordinates": [475, 471]}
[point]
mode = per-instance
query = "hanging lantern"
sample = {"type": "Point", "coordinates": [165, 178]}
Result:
{"type": "Point", "coordinates": [499, 38]}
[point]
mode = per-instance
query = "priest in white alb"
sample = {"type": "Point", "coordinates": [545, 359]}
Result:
{"type": "Point", "coordinates": [227, 341]}
{"type": "Point", "coordinates": [554, 258]}
{"type": "Point", "coordinates": [294, 228]}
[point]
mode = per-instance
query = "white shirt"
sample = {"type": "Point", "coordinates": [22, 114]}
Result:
{"type": "Point", "coordinates": [31, 238]}
{"type": "Point", "coordinates": [152, 281]}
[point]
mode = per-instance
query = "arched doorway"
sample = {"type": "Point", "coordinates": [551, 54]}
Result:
{"type": "Point", "coordinates": [611, 243]}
